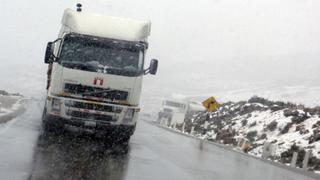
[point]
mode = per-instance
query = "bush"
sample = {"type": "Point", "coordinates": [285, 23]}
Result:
{"type": "Point", "coordinates": [244, 122]}
{"type": "Point", "coordinates": [263, 136]}
{"type": "Point", "coordinates": [253, 124]}
{"type": "Point", "coordinates": [272, 126]}
{"type": "Point", "coordinates": [298, 119]}
{"type": "Point", "coordinates": [290, 112]}
{"type": "Point", "coordinates": [252, 135]}
{"type": "Point", "coordinates": [256, 99]}
{"type": "Point", "coordinates": [5, 93]}
{"type": "Point", "coordinates": [286, 128]}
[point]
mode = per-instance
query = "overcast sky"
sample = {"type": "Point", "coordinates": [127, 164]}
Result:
{"type": "Point", "coordinates": [203, 46]}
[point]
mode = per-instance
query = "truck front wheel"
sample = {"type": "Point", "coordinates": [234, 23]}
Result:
{"type": "Point", "coordinates": [49, 127]}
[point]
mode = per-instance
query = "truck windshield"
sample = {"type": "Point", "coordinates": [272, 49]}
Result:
{"type": "Point", "coordinates": [102, 55]}
{"type": "Point", "coordinates": [174, 104]}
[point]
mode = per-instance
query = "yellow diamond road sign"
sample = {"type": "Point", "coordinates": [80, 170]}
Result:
{"type": "Point", "coordinates": [211, 104]}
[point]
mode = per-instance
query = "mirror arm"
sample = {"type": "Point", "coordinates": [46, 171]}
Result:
{"type": "Point", "coordinates": [59, 39]}
{"type": "Point", "coordinates": [55, 58]}
{"type": "Point", "coordinates": [146, 71]}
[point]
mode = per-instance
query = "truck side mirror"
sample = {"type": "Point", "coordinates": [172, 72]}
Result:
{"type": "Point", "coordinates": [153, 66]}
{"type": "Point", "coordinates": [48, 58]}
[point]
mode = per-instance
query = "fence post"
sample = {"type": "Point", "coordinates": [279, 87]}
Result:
{"type": "Point", "coordinates": [306, 160]}
{"type": "Point", "coordinates": [294, 159]}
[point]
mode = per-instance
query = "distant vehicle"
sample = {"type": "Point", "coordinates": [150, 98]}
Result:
{"type": "Point", "coordinates": [176, 111]}
{"type": "Point", "coordinates": [95, 73]}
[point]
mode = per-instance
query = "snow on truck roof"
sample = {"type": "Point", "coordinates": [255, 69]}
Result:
{"type": "Point", "coordinates": [106, 26]}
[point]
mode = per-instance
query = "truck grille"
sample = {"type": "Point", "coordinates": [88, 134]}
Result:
{"type": "Point", "coordinates": [90, 116]}
{"type": "Point", "coordinates": [90, 91]}
{"type": "Point", "coordinates": [90, 106]}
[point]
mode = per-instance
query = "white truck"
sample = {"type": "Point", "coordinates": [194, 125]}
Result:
{"type": "Point", "coordinates": [95, 74]}
{"type": "Point", "coordinates": [176, 111]}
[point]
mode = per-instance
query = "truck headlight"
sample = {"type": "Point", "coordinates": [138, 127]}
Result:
{"type": "Point", "coordinates": [56, 104]}
{"type": "Point", "coordinates": [128, 117]}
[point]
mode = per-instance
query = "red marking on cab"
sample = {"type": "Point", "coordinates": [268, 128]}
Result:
{"type": "Point", "coordinates": [98, 80]}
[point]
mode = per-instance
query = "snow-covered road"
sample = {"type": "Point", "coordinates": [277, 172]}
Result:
{"type": "Point", "coordinates": [18, 138]}
{"type": "Point", "coordinates": [154, 153]}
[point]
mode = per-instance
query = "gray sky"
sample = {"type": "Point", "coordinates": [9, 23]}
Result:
{"type": "Point", "coordinates": [203, 46]}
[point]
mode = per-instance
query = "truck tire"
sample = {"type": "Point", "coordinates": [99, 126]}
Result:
{"type": "Point", "coordinates": [49, 128]}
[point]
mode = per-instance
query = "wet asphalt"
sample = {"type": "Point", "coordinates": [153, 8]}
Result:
{"type": "Point", "coordinates": [153, 153]}
{"type": "Point", "coordinates": [73, 155]}
{"type": "Point", "coordinates": [77, 157]}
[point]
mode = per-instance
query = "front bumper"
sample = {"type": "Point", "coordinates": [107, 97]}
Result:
{"type": "Point", "coordinates": [104, 129]}
{"type": "Point", "coordinates": [80, 111]}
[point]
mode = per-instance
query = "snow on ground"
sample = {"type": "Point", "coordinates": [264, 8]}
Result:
{"type": "Point", "coordinates": [10, 104]}
{"type": "Point", "coordinates": [288, 127]}
{"type": "Point", "coordinates": [18, 133]}
{"type": "Point", "coordinates": [18, 138]}
{"type": "Point", "coordinates": [284, 141]}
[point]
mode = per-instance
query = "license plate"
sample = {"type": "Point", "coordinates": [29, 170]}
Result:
{"type": "Point", "coordinates": [90, 124]}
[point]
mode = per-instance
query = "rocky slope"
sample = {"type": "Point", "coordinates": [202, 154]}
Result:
{"type": "Point", "coordinates": [289, 127]}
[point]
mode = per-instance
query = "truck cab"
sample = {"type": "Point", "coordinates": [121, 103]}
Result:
{"type": "Point", "coordinates": [96, 67]}
{"type": "Point", "coordinates": [175, 111]}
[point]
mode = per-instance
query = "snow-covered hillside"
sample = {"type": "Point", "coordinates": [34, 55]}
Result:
{"type": "Point", "coordinates": [290, 127]}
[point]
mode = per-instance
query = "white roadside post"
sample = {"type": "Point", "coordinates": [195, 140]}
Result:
{"type": "Point", "coordinates": [206, 124]}
{"type": "Point", "coordinates": [201, 144]}
{"type": "Point", "coordinates": [306, 160]}
{"type": "Point", "coordinates": [161, 121]}
{"type": "Point", "coordinates": [175, 125]}
{"type": "Point", "coordinates": [183, 127]}
{"type": "Point", "coordinates": [166, 122]}
{"type": "Point", "coordinates": [243, 144]}
{"type": "Point", "coordinates": [294, 159]}
{"type": "Point", "coordinates": [192, 130]}
{"type": "Point", "coordinates": [268, 150]}
{"type": "Point", "coordinates": [240, 142]}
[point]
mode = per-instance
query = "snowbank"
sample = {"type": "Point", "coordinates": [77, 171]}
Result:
{"type": "Point", "coordinates": [11, 105]}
